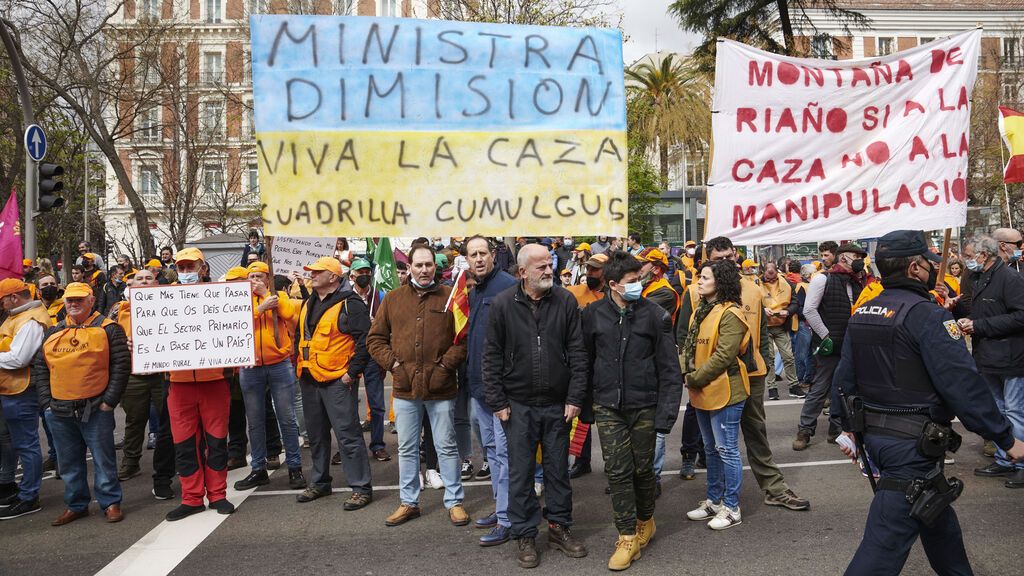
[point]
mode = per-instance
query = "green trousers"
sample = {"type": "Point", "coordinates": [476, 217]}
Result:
{"type": "Point", "coordinates": [755, 436]}
{"type": "Point", "coordinates": [627, 443]}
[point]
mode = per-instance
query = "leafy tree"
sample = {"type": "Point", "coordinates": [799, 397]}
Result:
{"type": "Point", "coordinates": [644, 192]}
{"type": "Point", "coordinates": [760, 23]}
{"type": "Point", "coordinates": [667, 106]}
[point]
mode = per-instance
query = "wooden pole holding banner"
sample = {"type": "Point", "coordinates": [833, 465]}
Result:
{"type": "Point", "coordinates": [945, 254]}
{"type": "Point", "coordinates": [269, 240]}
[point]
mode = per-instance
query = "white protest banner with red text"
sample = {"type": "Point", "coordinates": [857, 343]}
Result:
{"type": "Point", "coordinates": [808, 150]}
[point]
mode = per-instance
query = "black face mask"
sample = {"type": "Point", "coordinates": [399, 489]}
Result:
{"type": "Point", "coordinates": [363, 281]}
{"type": "Point", "coordinates": [50, 293]}
{"type": "Point", "coordinates": [933, 278]}
{"type": "Point", "coordinates": [593, 283]}
{"type": "Point", "coordinates": [857, 266]}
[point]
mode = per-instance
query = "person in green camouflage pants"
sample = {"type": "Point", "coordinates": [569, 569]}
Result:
{"type": "Point", "coordinates": [634, 380]}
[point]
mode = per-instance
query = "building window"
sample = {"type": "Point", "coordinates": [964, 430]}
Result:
{"type": "Point", "coordinates": [213, 11]}
{"type": "Point", "coordinates": [213, 67]}
{"type": "Point", "coordinates": [252, 180]}
{"type": "Point", "coordinates": [149, 183]}
{"type": "Point", "coordinates": [250, 120]}
{"type": "Point", "coordinates": [821, 47]}
{"type": "Point", "coordinates": [212, 118]}
{"type": "Point", "coordinates": [389, 8]}
{"type": "Point", "coordinates": [885, 45]}
{"type": "Point", "coordinates": [149, 10]}
{"type": "Point", "coordinates": [925, 40]}
{"type": "Point", "coordinates": [344, 7]}
{"type": "Point", "coordinates": [257, 6]}
{"type": "Point", "coordinates": [247, 65]}
{"type": "Point", "coordinates": [1011, 51]}
{"type": "Point", "coordinates": [1011, 89]}
{"type": "Point", "coordinates": [213, 179]}
{"type": "Point", "coordinates": [149, 125]}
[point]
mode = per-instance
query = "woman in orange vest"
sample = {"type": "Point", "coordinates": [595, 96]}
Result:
{"type": "Point", "coordinates": [80, 376]}
{"type": "Point", "coordinates": [716, 377]}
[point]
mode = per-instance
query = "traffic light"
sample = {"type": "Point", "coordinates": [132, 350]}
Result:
{"type": "Point", "coordinates": [49, 186]}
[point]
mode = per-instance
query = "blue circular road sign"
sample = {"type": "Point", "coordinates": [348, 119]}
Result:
{"type": "Point", "coordinates": [35, 142]}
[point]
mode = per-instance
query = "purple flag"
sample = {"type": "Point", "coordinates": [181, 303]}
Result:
{"type": "Point", "coordinates": [10, 240]}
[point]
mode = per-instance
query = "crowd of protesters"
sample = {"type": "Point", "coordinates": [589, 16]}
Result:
{"type": "Point", "coordinates": [559, 333]}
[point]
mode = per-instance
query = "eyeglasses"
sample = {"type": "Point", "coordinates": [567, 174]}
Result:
{"type": "Point", "coordinates": [1018, 243]}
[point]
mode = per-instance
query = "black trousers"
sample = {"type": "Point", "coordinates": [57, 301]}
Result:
{"type": "Point", "coordinates": [163, 452]}
{"type": "Point", "coordinates": [527, 428]}
{"type": "Point", "coordinates": [238, 438]}
{"type": "Point", "coordinates": [693, 444]}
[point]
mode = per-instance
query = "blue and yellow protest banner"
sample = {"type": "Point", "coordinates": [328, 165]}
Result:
{"type": "Point", "coordinates": [401, 127]}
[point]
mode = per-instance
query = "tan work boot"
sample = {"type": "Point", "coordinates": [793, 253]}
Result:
{"type": "Point", "coordinates": [645, 530]}
{"type": "Point", "coordinates": [458, 515]}
{"type": "Point", "coordinates": [627, 549]}
{"type": "Point", "coordinates": [404, 513]}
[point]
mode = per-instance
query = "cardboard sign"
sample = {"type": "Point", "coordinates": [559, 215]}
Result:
{"type": "Point", "coordinates": [291, 253]}
{"type": "Point", "coordinates": [809, 150]}
{"type": "Point", "coordinates": [191, 327]}
{"type": "Point", "coordinates": [401, 127]}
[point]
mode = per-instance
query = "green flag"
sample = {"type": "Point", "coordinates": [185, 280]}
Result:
{"type": "Point", "coordinates": [384, 276]}
{"type": "Point", "coordinates": [370, 249]}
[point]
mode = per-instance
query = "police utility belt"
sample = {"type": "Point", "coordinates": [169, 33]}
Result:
{"type": "Point", "coordinates": [928, 496]}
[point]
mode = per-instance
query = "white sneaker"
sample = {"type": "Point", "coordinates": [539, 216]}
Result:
{"type": "Point", "coordinates": [434, 479]}
{"type": "Point", "coordinates": [538, 488]}
{"type": "Point", "coordinates": [726, 518]}
{"type": "Point", "coordinates": [705, 509]}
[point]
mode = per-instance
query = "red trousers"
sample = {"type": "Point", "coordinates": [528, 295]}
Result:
{"type": "Point", "coordinates": [199, 426]}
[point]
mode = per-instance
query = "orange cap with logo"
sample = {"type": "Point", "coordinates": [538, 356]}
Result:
{"type": "Point", "coordinates": [327, 263]}
{"type": "Point", "coordinates": [189, 255]}
{"type": "Point", "coordinates": [10, 286]}
{"type": "Point", "coordinates": [259, 267]}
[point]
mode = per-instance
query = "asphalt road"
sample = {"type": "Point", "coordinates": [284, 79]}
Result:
{"type": "Point", "coordinates": [272, 534]}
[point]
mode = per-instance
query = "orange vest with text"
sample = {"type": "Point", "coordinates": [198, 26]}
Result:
{"type": "Point", "coordinates": [79, 359]}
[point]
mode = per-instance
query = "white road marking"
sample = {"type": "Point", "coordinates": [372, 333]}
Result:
{"type": "Point", "coordinates": [164, 547]}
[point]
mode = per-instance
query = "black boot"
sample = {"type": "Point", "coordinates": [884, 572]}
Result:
{"type": "Point", "coordinates": [296, 481]}
{"type": "Point", "coordinates": [254, 479]}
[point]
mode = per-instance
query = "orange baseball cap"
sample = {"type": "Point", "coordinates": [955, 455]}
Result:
{"type": "Point", "coordinates": [598, 260]}
{"type": "Point", "coordinates": [327, 263]}
{"type": "Point", "coordinates": [26, 262]}
{"type": "Point", "coordinates": [259, 267]}
{"type": "Point", "coordinates": [89, 256]}
{"type": "Point", "coordinates": [236, 273]}
{"type": "Point", "coordinates": [77, 290]}
{"type": "Point", "coordinates": [154, 263]}
{"type": "Point", "coordinates": [654, 255]}
{"type": "Point", "coordinates": [189, 255]}
{"type": "Point", "coordinates": [10, 286]}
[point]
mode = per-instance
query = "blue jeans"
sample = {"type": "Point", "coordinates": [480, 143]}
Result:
{"type": "Point", "coordinates": [1008, 392]}
{"type": "Point", "coordinates": [409, 423]}
{"type": "Point", "coordinates": [802, 353]}
{"type": "Point", "coordinates": [721, 430]}
{"type": "Point", "coordinates": [659, 455]}
{"type": "Point", "coordinates": [22, 414]}
{"type": "Point", "coordinates": [280, 378]}
{"type": "Point", "coordinates": [373, 379]}
{"type": "Point", "coordinates": [71, 438]}
{"type": "Point", "coordinates": [495, 448]}
{"type": "Point", "coordinates": [463, 418]}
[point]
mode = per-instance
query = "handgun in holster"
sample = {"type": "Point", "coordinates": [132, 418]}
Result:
{"type": "Point", "coordinates": [930, 496]}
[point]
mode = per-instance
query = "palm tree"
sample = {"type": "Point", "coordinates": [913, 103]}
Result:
{"type": "Point", "coordinates": [667, 105]}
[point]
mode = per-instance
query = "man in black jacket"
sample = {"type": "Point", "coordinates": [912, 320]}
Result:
{"type": "Point", "coordinates": [991, 311]}
{"type": "Point", "coordinates": [80, 373]}
{"type": "Point", "coordinates": [634, 379]}
{"type": "Point", "coordinates": [534, 372]}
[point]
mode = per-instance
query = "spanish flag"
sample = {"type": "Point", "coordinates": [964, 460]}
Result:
{"type": "Point", "coordinates": [1011, 126]}
{"type": "Point", "coordinates": [459, 304]}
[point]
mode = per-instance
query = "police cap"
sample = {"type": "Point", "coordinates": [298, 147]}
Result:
{"type": "Point", "coordinates": [904, 243]}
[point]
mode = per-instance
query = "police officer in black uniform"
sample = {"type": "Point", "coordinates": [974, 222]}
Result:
{"type": "Point", "coordinates": [905, 374]}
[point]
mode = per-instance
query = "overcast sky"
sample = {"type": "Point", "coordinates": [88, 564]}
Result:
{"type": "Point", "coordinates": [649, 28]}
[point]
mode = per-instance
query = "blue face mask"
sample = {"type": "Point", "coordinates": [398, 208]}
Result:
{"type": "Point", "coordinates": [632, 291]}
{"type": "Point", "coordinates": [973, 265]}
{"type": "Point", "coordinates": [1017, 254]}
{"type": "Point", "coordinates": [188, 277]}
